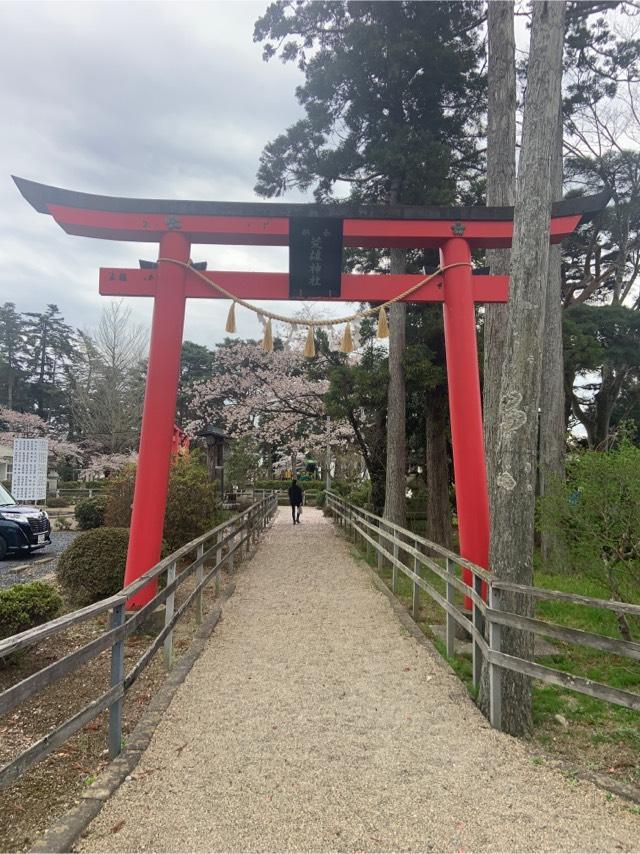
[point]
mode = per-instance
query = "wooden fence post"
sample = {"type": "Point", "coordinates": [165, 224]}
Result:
{"type": "Point", "coordinates": [199, 573]}
{"type": "Point", "coordinates": [380, 546]}
{"type": "Point", "coordinates": [230, 545]}
{"type": "Point", "coordinates": [478, 622]}
{"type": "Point", "coordinates": [117, 675]}
{"type": "Point", "coordinates": [394, 568]}
{"type": "Point", "coordinates": [415, 598]}
{"type": "Point", "coordinates": [219, 537]}
{"type": "Point", "coordinates": [450, 622]}
{"type": "Point", "coordinates": [495, 672]}
{"type": "Point", "coordinates": [168, 614]}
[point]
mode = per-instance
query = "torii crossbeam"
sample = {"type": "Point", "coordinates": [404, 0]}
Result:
{"type": "Point", "coordinates": [177, 225]}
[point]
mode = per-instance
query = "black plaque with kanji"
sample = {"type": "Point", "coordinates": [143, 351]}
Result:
{"type": "Point", "coordinates": [315, 257]}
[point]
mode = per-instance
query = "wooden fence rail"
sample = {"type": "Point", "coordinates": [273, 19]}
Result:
{"type": "Point", "coordinates": [400, 547]}
{"type": "Point", "coordinates": [218, 546]}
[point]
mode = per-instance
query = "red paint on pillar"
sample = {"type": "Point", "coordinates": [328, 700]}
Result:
{"type": "Point", "coordinates": [463, 377]}
{"type": "Point", "coordinates": [152, 478]}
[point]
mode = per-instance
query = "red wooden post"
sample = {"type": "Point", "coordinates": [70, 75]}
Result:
{"type": "Point", "coordinates": [463, 377]}
{"type": "Point", "coordinates": [152, 478]}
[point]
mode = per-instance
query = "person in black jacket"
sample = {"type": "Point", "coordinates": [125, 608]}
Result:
{"type": "Point", "coordinates": [295, 500]}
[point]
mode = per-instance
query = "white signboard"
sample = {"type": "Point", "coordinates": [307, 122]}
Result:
{"type": "Point", "coordinates": [29, 477]}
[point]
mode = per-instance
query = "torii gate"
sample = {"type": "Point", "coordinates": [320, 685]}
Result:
{"type": "Point", "coordinates": [177, 225]}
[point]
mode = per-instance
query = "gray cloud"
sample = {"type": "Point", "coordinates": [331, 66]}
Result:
{"type": "Point", "coordinates": [151, 99]}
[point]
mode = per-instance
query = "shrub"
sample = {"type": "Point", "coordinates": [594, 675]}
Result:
{"type": "Point", "coordinates": [57, 502]}
{"type": "Point", "coordinates": [341, 487]}
{"type": "Point", "coordinates": [24, 606]}
{"type": "Point", "coordinates": [360, 495]}
{"type": "Point", "coordinates": [63, 523]}
{"type": "Point", "coordinates": [90, 512]}
{"type": "Point", "coordinates": [92, 568]}
{"type": "Point", "coordinates": [82, 484]}
{"type": "Point", "coordinates": [595, 514]}
{"type": "Point", "coordinates": [119, 498]}
{"type": "Point", "coordinates": [191, 504]}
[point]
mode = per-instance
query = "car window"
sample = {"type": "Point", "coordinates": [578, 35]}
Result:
{"type": "Point", "coordinates": [5, 497]}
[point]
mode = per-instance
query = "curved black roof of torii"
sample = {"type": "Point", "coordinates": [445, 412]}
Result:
{"type": "Point", "coordinates": [40, 196]}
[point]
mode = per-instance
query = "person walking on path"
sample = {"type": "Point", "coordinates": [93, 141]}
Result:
{"type": "Point", "coordinates": [295, 500]}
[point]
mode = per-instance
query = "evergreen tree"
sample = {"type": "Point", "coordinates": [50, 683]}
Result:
{"type": "Point", "coordinates": [52, 345]}
{"type": "Point", "coordinates": [392, 98]}
{"type": "Point", "coordinates": [12, 357]}
{"type": "Point", "coordinates": [602, 345]}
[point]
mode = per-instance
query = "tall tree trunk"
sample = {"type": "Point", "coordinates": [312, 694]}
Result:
{"type": "Point", "coordinates": [552, 406]}
{"type": "Point", "coordinates": [501, 188]}
{"type": "Point", "coordinates": [375, 463]}
{"type": "Point", "coordinates": [605, 401]}
{"type": "Point", "coordinates": [511, 554]}
{"type": "Point", "coordinates": [395, 485]}
{"type": "Point", "coordinates": [437, 471]}
{"type": "Point", "coordinates": [41, 373]}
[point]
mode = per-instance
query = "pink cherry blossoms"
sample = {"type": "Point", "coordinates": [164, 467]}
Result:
{"type": "Point", "coordinates": [274, 396]}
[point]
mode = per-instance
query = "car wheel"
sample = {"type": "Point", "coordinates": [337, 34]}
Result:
{"type": "Point", "coordinates": [4, 548]}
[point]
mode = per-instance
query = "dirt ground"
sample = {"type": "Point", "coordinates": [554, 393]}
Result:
{"type": "Point", "coordinates": [30, 805]}
{"type": "Point", "coordinates": [313, 721]}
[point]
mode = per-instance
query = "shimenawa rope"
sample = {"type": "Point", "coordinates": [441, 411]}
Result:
{"type": "Point", "coordinates": [309, 350]}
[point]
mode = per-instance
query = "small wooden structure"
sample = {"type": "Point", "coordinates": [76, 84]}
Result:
{"type": "Point", "coordinates": [215, 442]}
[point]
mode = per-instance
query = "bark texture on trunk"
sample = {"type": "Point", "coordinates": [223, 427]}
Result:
{"type": "Point", "coordinates": [512, 524]}
{"type": "Point", "coordinates": [437, 472]}
{"type": "Point", "coordinates": [395, 485]}
{"type": "Point", "coordinates": [501, 189]}
{"type": "Point", "coordinates": [375, 464]}
{"type": "Point", "coordinates": [552, 403]}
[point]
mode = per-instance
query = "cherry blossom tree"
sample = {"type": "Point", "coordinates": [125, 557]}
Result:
{"type": "Point", "coordinates": [26, 425]}
{"type": "Point", "coordinates": [278, 397]}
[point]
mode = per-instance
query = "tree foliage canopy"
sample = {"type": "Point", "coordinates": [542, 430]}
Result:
{"type": "Point", "coordinates": [392, 96]}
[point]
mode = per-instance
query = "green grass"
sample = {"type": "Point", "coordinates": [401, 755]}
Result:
{"type": "Point", "coordinates": [616, 671]}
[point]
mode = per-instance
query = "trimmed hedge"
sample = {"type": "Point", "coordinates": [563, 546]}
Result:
{"type": "Point", "coordinates": [24, 606]}
{"type": "Point", "coordinates": [309, 485]}
{"type": "Point", "coordinates": [90, 512]}
{"type": "Point", "coordinates": [82, 484]}
{"type": "Point", "coordinates": [57, 502]}
{"type": "Point", "coordinates": [92, 568]}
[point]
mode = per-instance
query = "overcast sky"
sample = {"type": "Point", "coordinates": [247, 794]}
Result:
{"type": "Point", "coordinates": [166, 100]}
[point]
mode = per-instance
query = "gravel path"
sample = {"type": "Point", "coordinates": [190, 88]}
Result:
{"type": "Point", "coordinates": [313, 722]}
{"type": "Point", "coordinates": [59, 542]}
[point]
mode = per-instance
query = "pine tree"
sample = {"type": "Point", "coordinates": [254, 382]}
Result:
{"type": "Point", "coordinates": [12, 355]}
{"type": "Point", "coordinates": [392, 98]}
{"type": "Point", "coordinates": [52, 345]}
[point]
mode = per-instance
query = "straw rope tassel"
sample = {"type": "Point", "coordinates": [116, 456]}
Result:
{"type": "Point", "coordinates": [347, 340]}
{"type": "Point", "coordinates": [231, 319]}
{"type": "Point", "coordinates": [267, 341]}
{"type": "Point", "coordinates": [383, 325]}
{"type": "Point", "coordinates": [310, 345]}
{"type": "Point", "coordinates": [334, 321]}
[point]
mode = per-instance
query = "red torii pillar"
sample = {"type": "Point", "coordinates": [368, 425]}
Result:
{"type": "Point", "coordinates": [175, 225]}
{"type": "Point", "coordinates": [465, 408]}
{"type": "Point", "coordinates": [158, 414]}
